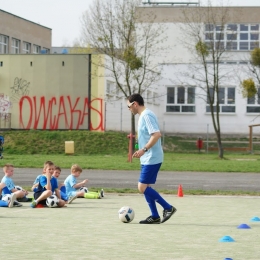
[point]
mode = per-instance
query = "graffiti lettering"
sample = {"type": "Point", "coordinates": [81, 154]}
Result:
{"type": "Point", "coordinates": [60, 113]}
{"type": "Point", "coordinates": [5, 104]}
{"type": "Point", "coordinates": [19, 89]}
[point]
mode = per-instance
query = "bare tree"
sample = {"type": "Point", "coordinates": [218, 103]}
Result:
{"type": "Point", "coordinates": [130, 45]}
{"type": "Point", "coordinates": [204, 31]}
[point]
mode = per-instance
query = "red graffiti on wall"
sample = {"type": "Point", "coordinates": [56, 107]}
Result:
{"type": "Point", "coordinates": [54, 112]}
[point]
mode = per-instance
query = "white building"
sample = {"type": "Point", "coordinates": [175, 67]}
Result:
{"type": "Point", "coordinates": [178, 101]}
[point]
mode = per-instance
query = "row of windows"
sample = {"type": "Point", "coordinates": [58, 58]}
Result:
{"type": "Point", "coordinates": [232, 36]}
{"type": "Point", "coordinates": [112, 91]}
{"type": "Point", "coordinates": [182, 100]}
{"type": "Point", "coordinates": [17, 48]}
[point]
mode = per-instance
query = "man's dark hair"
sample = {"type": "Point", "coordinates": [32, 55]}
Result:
{"type": "Point", "coordinates": [137, 98]}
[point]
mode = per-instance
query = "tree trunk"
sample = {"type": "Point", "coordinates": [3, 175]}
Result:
{"type": "Point", "coordinates": [220, 147]}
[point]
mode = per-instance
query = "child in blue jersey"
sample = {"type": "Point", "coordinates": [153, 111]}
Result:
{"type": "Point", "coordinates": [151, 157]}
{"type": "Point", "coordinates": [8, 170]}
{"type": "Point", "coordinates": [56, 174]}
{"type": "Point", "coordinates": [47, 186]}
{"type": "Point", "coordinates": [72, 186]}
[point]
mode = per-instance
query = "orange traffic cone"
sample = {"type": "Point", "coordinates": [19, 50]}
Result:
{"type": "Point", "coordinates": [180, 192]}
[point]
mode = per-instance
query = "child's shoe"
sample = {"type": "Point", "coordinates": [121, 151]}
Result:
{"type": "Point", "coordinates": [12, 200]}
{"type": "Point", "coordinates": [33, 204]}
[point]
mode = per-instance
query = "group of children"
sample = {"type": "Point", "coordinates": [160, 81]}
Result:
{"type": "Point", "coordinates": [44, 186]}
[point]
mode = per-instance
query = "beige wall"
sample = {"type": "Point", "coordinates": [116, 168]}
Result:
{"type": "Point", "coordinates": [171, 14]}
{"type": "Point", "coordinates": [49, 92]}
{"type": "Point", "coordinates": [24, 30]}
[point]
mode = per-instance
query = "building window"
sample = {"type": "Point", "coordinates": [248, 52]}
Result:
{"type": "Point", "coordinates": [227, 100]}
{"type": "Point", "coordinates": [112, 90]}
{"type": "Point", "coordinates": [3, 44]}
{"type": "Point", "coordinates": [233, 37]}
{"type": "Point", "coordinates": [15, 46]}
{"type": "Point", "coordinates": [36, 49]}
{"type": "Point", "coordinates": [109, 87]}
{"type": "Point", "coordinates": [180, 99]}
{"type": "Point", "coordinates": [26, 47]}
{"type": "Point", "coordinates": [253, 103]}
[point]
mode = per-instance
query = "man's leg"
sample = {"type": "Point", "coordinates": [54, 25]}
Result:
{"type": "Point", "coordinates": [154, 196]}
{"type": "Point", "coordinates": [154, 218]}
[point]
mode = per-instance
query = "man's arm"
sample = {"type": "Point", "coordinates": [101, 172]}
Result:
{"type": "Point", "coordinates": [153, 139]}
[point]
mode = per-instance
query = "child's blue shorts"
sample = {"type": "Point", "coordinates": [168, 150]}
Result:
{"type": "Point", "coordinates": [149, 173]}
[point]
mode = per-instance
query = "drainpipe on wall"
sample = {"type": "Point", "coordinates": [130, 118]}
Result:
{"type": "Point", "coordinates": [89, 90]}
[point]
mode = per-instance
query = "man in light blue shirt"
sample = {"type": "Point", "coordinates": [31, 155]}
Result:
{"type": "Point", "coordinates": [151, 157]}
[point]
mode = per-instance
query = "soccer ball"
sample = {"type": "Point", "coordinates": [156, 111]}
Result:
{"type": "Point", "coordinates": [18, 187]}
{"type": "Point", "coordinates": [126, 214]}
{"type": "Point", "coordinates": [52, 201]}
{"type": "Point", "coordinates": [85, 189]}
{"type": "Point", "coordinates": [6, 197]}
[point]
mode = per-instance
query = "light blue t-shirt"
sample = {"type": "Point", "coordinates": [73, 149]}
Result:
{"type": "Point", "coordinates": [69, 182]}
{"type": "Point", "coordinates": [8, 183]}
{"type": "Point", "coordinates": [147, 125]}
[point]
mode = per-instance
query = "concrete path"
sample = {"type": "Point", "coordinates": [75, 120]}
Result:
{"type": "Point", "coordinates": [231, 181]}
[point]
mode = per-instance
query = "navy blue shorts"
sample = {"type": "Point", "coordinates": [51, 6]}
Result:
{"type": "Point", "coordinates": [149, 173]}
{"type": "Point", "coordinates": [36, 195]}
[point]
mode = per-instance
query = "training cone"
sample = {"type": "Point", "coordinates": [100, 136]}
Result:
{"type": "Point", "coordinates": [255, 219]}
{"type": "Point", "coordinates": [226, 239]}
{"type": "Point", "coordinates": [180, 192]}
{"type": "Point", "coordinates": [243, 226]}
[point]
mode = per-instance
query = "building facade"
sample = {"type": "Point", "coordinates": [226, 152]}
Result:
{"type": "Point", "coordinates": [180, 101]}
{"type": "Point", "coordinates": [20, 36]}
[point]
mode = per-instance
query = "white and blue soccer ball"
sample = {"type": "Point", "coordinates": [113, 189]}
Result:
{"type": "Point", "coordinates": [7, 197]}
{"type": "Point", "coordinates": [52, 201]}
{"type": "Point", "coordinates": [85, 189]}
{"type": "Point", "coordinates": [126, 214]}
{"type": "Point", "coordinates": [18, 187]}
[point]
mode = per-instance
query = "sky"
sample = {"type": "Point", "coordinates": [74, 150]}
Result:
{"type": "Point", "coordinates": [63, 16]}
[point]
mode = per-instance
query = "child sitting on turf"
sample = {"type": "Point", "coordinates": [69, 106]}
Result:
{"type": "Point", "coordinates": [72, 186]}
{"type": "Point", "coordinates": [9, 203]}
{"type": "Point", "coordinates": [10, 186]}
{"type": "Point", "coordinates": [37, 180]}
{"type": "Point", "coordinates": [47, 186]}
{"type": "Point", "coordinates": [56, 174]}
